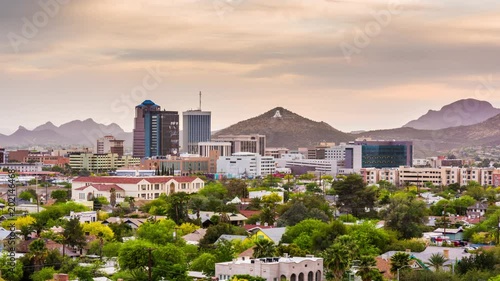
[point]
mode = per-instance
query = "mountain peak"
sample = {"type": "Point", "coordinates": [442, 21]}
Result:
{"type": "Point", "coordinates": [463, 112]}
{"type": "Point", "coordinates": [47, 126]}
{"type": "Point", "coordinates": [284, 128]}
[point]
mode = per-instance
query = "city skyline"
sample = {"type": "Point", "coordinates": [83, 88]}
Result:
{"type": "Point", "coordinates": [99, 59]}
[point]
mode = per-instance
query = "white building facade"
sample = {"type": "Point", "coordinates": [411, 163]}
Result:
{"type": "Point", "coordinates": [245, 164]}
{"type": "Point", "coordinates": [307, 268]}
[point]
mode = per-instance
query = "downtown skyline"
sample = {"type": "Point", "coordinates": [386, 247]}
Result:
{"type": "Point", "coordinates": [99, 59]}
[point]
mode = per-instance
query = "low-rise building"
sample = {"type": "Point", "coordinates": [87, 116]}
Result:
{"type": "Point", "coordinates": [148, 188]}
{"type": "Point", "coordinates": [22, 167]}
{"type": "Point", "coordinates": [83, 217]}
{"type": "Point", "coordinates": [308, 268]}
{"type": "Point", "coordinates": [245, 164]}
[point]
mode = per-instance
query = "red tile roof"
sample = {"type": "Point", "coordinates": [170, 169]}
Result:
{"type": "Point", "coordinates": [249, 213]}
{"type": "Point", "coordinates": [102, 187]}
{"type": "Point", "coordinates": [132, 180]}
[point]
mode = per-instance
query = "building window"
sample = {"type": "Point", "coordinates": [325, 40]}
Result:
{"type": "Point", "coordinates": [81, 196]}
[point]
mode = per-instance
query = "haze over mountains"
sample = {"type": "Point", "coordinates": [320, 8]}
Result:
{"type": "Point", "coordinates": [75, 132]}
{"type": "Point", "coordinates": [460, 113]}
{"type": "Point", "coordinates": [461, 124]}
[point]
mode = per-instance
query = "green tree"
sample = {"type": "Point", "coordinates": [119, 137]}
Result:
{"type": "Point", "coordinates": [38, 252]}
{"type": "Point", "coordinates": [73, 235]}
{"type": "Point", "coordinates": [178, 207]}
{"type": "Point", "coordinates": [10, 270]}
{"type": "Point", "coordinates": [160, 232]}
{"type": "Point", "coordinates": [44, 274]}
{"type": "Point", "coordinates": [60, 195]}
{"type": "Point", "coordinates": [215, 231]}
{"type": "Point", "coordinates": [406, 215]}
{"type": "Point", "coordinates": [236, 187]}
{"type": "Point", "coordinates": [204, 263]}
{"type": "Point", "coordinates": [354, 196]}
{"type": "Point", "coordinates": [264, 248]}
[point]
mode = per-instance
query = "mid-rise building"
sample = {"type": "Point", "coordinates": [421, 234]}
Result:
{"type": "Point", "coordinates": [223, 148]}
{"type": "Point", "coordinates": [276, 152]}
{"type": "Point", "coordinates": [101, 162]}
{"type": "Point", "coordinates": [196, 128]}
{"type": "Point", "coordinates": [245, 143]}
{"type": "Point", "coordinates": [245, 164]}
{"type": "Point", "coordinates": [183, 165]}
{"type": "Point", "coordinates": [385, 154]}
{"type": "Point", "coordinates": [109, 144]}
{"type": "Point", "coordinates": [22, 167]}
{"type": "Point", "coordinates": [308, 268]}
{"type": "Point", "coordinates": [156, 132]}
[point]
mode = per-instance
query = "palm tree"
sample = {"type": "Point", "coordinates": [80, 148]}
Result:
{"type": "Point", "coordinates": [38, 252]}
{"type": "Point", "coordinates": [367, 268]}
{"type": "Point", "coordinates": [336, 260]}
{"type": "Point", "coordinates": [437, 260]}
{"type": "Point", "coordinates": [399, 260]}
{"type": "Point", "coordinates": [264, 248]}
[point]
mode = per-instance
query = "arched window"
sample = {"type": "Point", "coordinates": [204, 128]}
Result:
{"type": "Point", "coordinates": [310, 276]}
{"type": "Point", "coordinates": [293, 277]}
{"type": "Point", "coordinates": [318, 275]}
{"type": "Point", "coordinates": [301, 276]}
{"type": "Point", "coordinates": [282, 278]}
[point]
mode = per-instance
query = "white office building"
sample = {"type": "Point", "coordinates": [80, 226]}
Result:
{"type": "Point", "coordinates": [245, 164]}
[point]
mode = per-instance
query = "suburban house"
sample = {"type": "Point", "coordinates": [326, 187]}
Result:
{"type": "Point", "coordinates": [147, 188]}
{"type": "Point", "coordinates": [5, 235]}
{"type": "Point", "coordinates": [477, 210]}
{"type": "Point", "coordinates": [307, 268]}
{"type": "Point", "coordinates": [272, 234]}
{"type": "Point", "coordinates": [451, 233]}
{"type": "Point", "coordinates": [83, 217]}
{"type": "Point", "coordinates": [235, 219]}
{"type": "Point", "coordinates": [194, 237]}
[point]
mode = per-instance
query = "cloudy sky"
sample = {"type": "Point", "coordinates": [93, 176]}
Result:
{"type": "Point", "coordinates": [356, 64]}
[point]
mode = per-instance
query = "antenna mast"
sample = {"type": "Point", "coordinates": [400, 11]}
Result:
{"type": "Point", "coordinates": [200, 100]}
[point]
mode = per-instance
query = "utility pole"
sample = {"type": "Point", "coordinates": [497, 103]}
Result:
{"type": "Point", "coordinates": [498, 230]}
{"type": "Point", "coordinates": [150, 264]}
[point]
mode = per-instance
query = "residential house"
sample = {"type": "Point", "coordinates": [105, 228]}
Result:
{"type": "Point", "coordinates": [230, 238]}
{"type": "Point", "coordinates": [234, 219]}
{"type": "Point", "coordinates": [83, 217]}
{"type": "Point", "coordinates": [273, 234]}
{"type": "Point", "coordinates": [477, 210]}
{"type": "Point", "coordinates": [194, 237]}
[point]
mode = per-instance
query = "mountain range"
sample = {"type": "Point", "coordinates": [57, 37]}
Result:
{"type": "Point", "coordinates": [460, 113]}
{"type": "Point", "coordinates": [460, 124]}
{"type": "Point", "coordinates": [75, 132]}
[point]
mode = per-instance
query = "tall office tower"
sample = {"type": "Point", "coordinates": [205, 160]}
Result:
{"type": "Point", "coordinates": [108, 144]}
{"type": "Point", "coordinates": [196, 128]}
{"type": "Point", "coordinates": [156, 132]}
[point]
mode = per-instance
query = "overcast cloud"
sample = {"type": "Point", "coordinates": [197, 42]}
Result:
{"type": "Point", "coordinates": [87, 57]}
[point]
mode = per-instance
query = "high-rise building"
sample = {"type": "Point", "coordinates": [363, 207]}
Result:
{"type": "Point", "coordinates": [156, 132]}
{"type": "Point", "coordinates": [2, 155]}
{"type": "Point", "coordinates": [196, 128]}
{"type": "Point", "coordinates": [108, 144]}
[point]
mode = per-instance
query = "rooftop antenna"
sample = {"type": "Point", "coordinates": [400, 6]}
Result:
{"type": "Point", "coordinates": [200, 100]}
